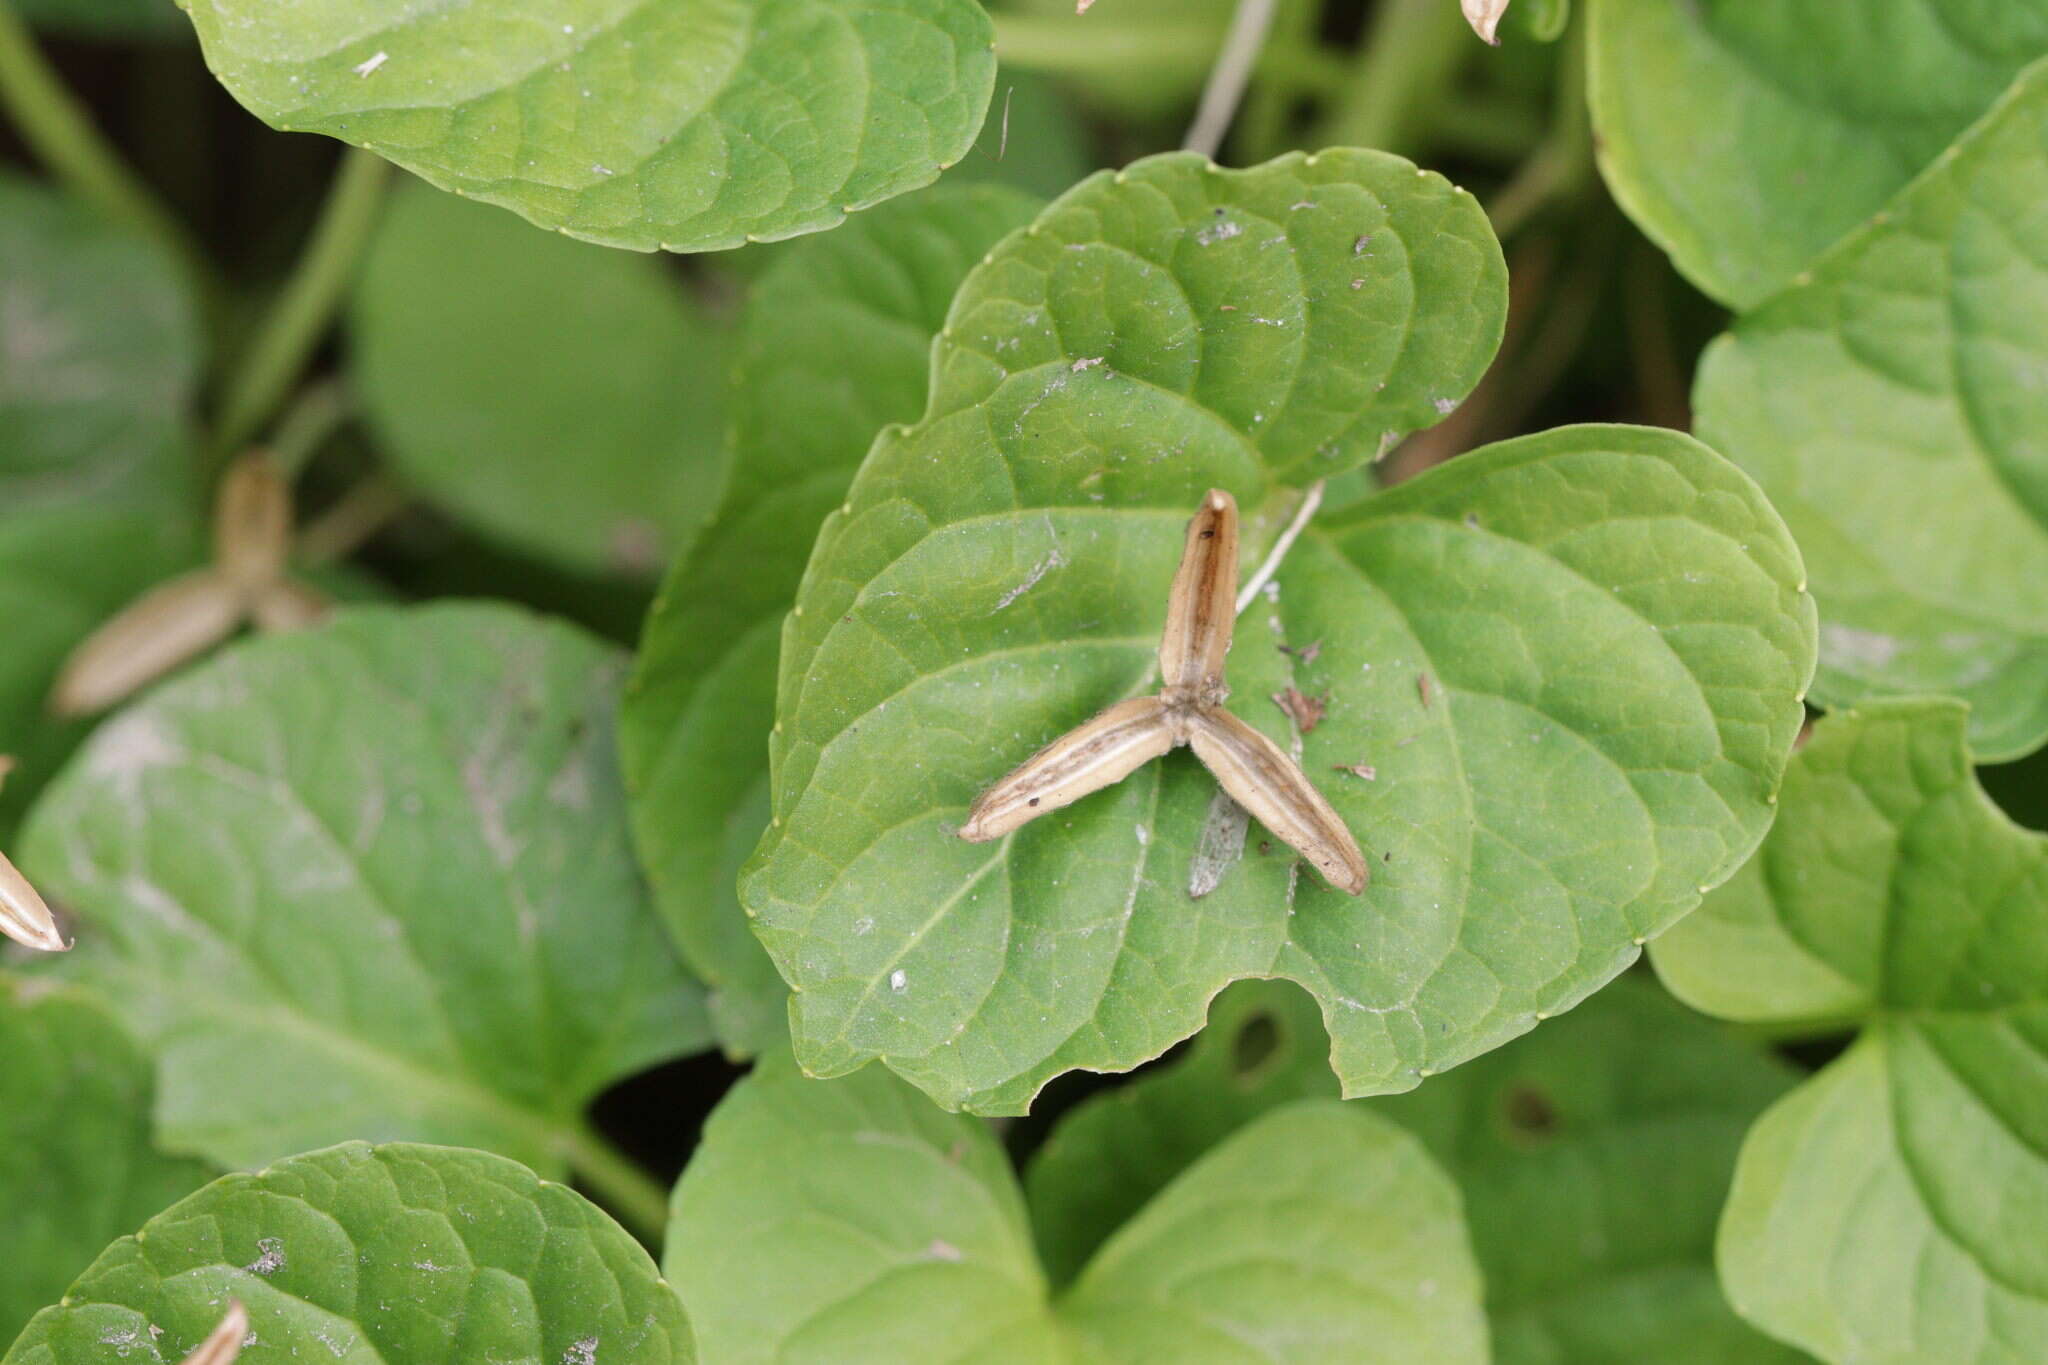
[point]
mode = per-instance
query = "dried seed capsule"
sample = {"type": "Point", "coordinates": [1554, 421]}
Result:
{"type": "Point", "coordinates": [1272, 786]}
{"type": "Point", "coordinates": [146, 639]}
{"type": "Point", "coordinates": [1202, 608]}
{"type": "Point", "coordinates": [224, 1344]}
{"type": "Point", "coordinates": [252, 523]}
{"type": "Point", "coordinates": [24, 917]}
{"type": "Point", "coordinates": [1089, 757]}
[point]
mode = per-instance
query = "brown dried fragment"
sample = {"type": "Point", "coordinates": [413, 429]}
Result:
{"type": "Point", "coordinates": [1201, 613]}
{"type": "Point", "coordinates": [1364, 770]}
{"type": "Point", "coordinates": [169, 625]}
{"type": "Point", "coordinates": [1307, 653]}
{"type": "Point", "coordinates": [1425, 688]}
{"type": "Point", "coordinates": [224, 1345]}
{"type": "Point", "coordinates": [1305, 711]}
{"type": "Point", "coordinates": [1485, 17]}
{"type": "Point", "coordinates": [183, 617]}
{"type": "Point", "coordinates": [24, 916]}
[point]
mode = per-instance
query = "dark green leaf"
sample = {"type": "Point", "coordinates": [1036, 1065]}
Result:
{"type": "Point", "coordinates": [836, 345]}
{"type": "Point", "coordinates": [1318, 1233]}
{"type": "Point", "coordinates": [99, 350]}
{"type": "Point", "coordinates": [77, 1168]}
{"type": "Point", "coordinates": [372, 879]}
{"type": "Point", "coordinates": [1574, 661]}
{"type": "Point", "coordinates": [1555, 1140]}
{"type": "Point", "coordinates": [1745, 136]}
{"type": "Point", "coordinates": [366, 1255]}
{"type": "Point", "coordinates": [681, 124]}
{"type": "Point", "coordinates": [1891, 407]}
{"type": "Point", "coordinates": [1891, 1208]}
{"type": "Point", "coordinates": [567, 400]}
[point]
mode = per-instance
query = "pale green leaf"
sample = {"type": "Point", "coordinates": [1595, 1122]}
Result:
{"type": "Point", "coordinates": [1554, 1139]}
{"type": "Point", "coordinates": [1891, 1208]}
{"type": "Point", "coordinates": [688, 125]}
{"type": "Point", "coordinates": [99, 350]}
{"type": "Point", "coordinates": [1316, 1233]}
{"type": "Point", "coordinates": [371, 880]}
{"type": "Point", "coordinates": [1891, 408]}
{"type": "Point", "coordinates": [1609, 622]}
{"type": "Point", "coordinates": [835, 346]}
{"type": "Point", "coordinates": [566, 400]}
{"type": "Point", "coordinates": [373, 1256]}
{"type": "Point", "coordinates": [849, 1220]}
{"type": "Point", "coordinates": [77, 1168]}
{"type": "Point", "coordinates": [1745, 136]}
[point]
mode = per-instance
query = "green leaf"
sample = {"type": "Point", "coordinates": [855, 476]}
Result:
{"type": "Point", "coordinates": [1263, 1047]}
{"type": "Point", "coordinates": [1891, 1208]}
{"type": "Point", "coordinates": [1594, 1156]}
{"type": "Point", "coordinates": [368, 1254]}
{"type": "Point", "coordinates": [1890, 408]}
{"type": "Point", "coordinates": [1745, 136]}
{"type": "Point", "coordinates": [566, 400]}
{"type": "Point", "coordinates": [685, 125]}
{"type": "Point", "coordinates": [1609, 620]}
{"type": "Point", "coordinates": [77, 1168]}
{"type": "Point", "coordinates": [1318, 1233]}
{"type": "Point", "coordinates": [372, 879]}
{"type": "Point", "coordinates": [1553, 1139]}
{"type": "Point", "coordinates": [835, 346]}
{"type": "Point", "coordinates": [100, 357]}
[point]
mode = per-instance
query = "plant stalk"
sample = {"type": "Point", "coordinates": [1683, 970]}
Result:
{"type": "Point", "coordinates": [1085, 46]}
{"type": "Point", "coordinates": [1249, 25]}
{"type": "Point", "coordinates": [306, 305]}
{"type": "Point", "coordinates": [635, 1197]}
{"type": "Point", "coordinates": [1414, 48]}
{"type": "Point", "coordinates": [58, 130]}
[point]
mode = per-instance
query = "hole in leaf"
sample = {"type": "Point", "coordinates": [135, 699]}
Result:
{"type": "Point", "coordinates": [1257, 1040]}
{"type": "Point", "coordinates": [1530, 1113]}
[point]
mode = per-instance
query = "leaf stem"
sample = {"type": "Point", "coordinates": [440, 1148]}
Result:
{"type": "Point", "coordinates": [57, 128]}
{"type": "Point", "coordinates": [1249, 24]}
{"type": "Point", "coordinates": [1311, 498]}
{"type": "Point", "coordinates": [306, 305]}
{"type": "Point", "coordinates": [634, 1196]}
{"type": "Point", "coordinates": [1562, 163]}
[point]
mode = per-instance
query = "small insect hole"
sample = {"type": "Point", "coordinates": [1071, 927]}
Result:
{"type": "Point", "coordinates": [1257, 1040]}
{"type": "Point", "coordinates": [1530, 1114]}
{"type": "Point", "coordinates": [1032, 802]}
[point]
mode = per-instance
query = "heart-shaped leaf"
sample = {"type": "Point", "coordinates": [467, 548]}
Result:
{"type": "Point", "coordinates": [372, 879]}
{"type": "Point", "coordinates": [1317, 1233]}
{"type": "Point", "coordinates": [96, 499]}
{"type": "Point", "coordinates": [1890, 407]}
{"type": "Point", "coordinates": [580, 415]}
{"type": "Point", "coordinates": [1553, 1140]}
{"type": "Point", "coordinates": [1572, 662]}
{"type": "Point", "coordinates": [1745, 136]}
{"type": "Point", "coordinates": [1891, 1208]}
{"type": "Point", "coordinates": [365, 1254]}
{"type": "Point", "coordinates": [77, 1168]}
{"type": "Point", "coordinates": [835, 346]}
{"type": "Point", "coordinates": [686, 125]}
